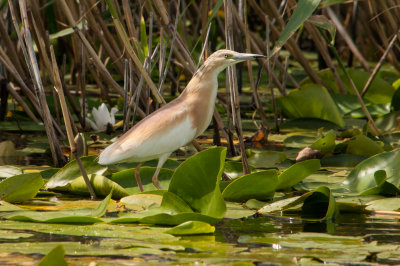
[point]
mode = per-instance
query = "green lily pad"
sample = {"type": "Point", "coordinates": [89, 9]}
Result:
{"type": "Point", "coordinates": [312, 101]}
{"type": "Point", "coordinates": [235, 169]}
{"type": "Point", "coordinates": [54, 257]}
{"type": "Point", "coordinates": [126, 178]}
{"type": "Point", "coordinates": [6, 207]}
{"type": "Point", "coordinates": [19, 188]}
{"type": "Point", "coordinates": [102, 187]}
{"type": "Point", "coordinates": [386, 204]}
{"type": "Point", "coordinates": [326, 143]}
{"type": "Point", "coordinates": [191, 228]}
{"type": "Point", "coordinates": [382, 187]}
{"type": "Point", "coordinates": [76, 216]}
{"type": "Point", "coordinates": [362, 177]}
{"type": "Point", "coordinates": [265, 159]}
{"type": "Point", "coordinates": [196, 181]}
{"type": "Point", "coordinates": [71, 171]}
{"type": "Point", "coordinates": [296, 173]}
{"type": "Point", "coordinates": [364, 146]}
{"type": "Point", "coordinates": [260, 185]}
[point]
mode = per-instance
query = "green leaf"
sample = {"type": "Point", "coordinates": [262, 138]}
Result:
{"type": "Point", "coordinates": [362, 145]}
{"type": "Point", "coordinates": [362, 177]}
{"type": "Point", "coordinates": [191, 228]}
{"type": "Point", "coordinates": [303, 11]}
{"type": "Point", "coordinates": [143, 37]}
{"type": "Point", "coordinates": [76, 216]}
{"type": "Point", "coordinates": [326, 144]}
{"type": "Point", "coordinates": [235, 169]}
{"type": "Point", "coordinates": [54, 257]}
{"type": "Point", "coordinates": [126, 178]}
{"type": "Point", "coordinates": [382, 187]}
{"type": "Point", "coordinates": [71, 171]}
{"type": "Point", "coordinates": [296, 173]}
{"type": "Point", "coordinates": [7, 207]}
{"type": "Point", "coordinates": [323, 22]}
{"type": "Point", "coordinates": [8, 171]}
{"type": "Point", "coordinates": [19, 188]}
{"type": "Point", "coordinates": [259, 185]}
{"type": "Point", "coordinates": [319, 205]}
{"type": "Point", "coordinates": [197, 179]}
{"type": "Point", "coordinates": [386, 204]}
{"type": "Point", "coordinates": [102, 187]}
{"type": "Point", "coordinates": [311, 101]}
{"type": "Point", "coordinates": [265, 159]}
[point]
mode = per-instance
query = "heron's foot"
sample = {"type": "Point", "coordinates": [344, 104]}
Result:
{"type": "Point", "coordinates": [156, 183]}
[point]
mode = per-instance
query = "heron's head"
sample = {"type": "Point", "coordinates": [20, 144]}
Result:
{"type": "Point", "coordinates": [224, 58]}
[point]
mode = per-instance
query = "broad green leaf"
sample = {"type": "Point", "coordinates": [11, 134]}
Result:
{"type": "Point", "coordinates": [323, 22]}
{"type": "Point", "coordinates": [342, 160]}
{"type": "Point", "coordinates": [235, 169]}
{"type": "Point", "coordinates": [386, 204]}
{"type": "Point", "coordinates": [303, 11]}
{"type": "Point", "coordinates": [158, 217]}
{"type": "Point", "coordinates": [19, 188]}
{"type": "Point", "coordinates": [197, 179]}
{"type": "Point", "coordinates": [362, 145]}
{"type": "Point", "coordinates": [74, 216]}
{"type": "Point", "coordinates": [126, 179]}
{"type": "Point", "coordinates": [8, 170]}
{"type": "Point", "coordinates": [311, 101]}
{"type": "Point", "coordinates": [379, 92]}
{"type": "Point", "coordinates": [47, 174]}
{"type": "Point", "coordinates": [141, 201]}
{"type": "Point", "coordinates": [326, 143]}
{"type": "Point", "coordinates": [298, 141]}
{"type": "Point", "coordinates": [260, 185]}
{"type": "Point", "coordinates": [174, 203]}
{"type": "Point", "coordinates": [319, 205]}
{"type": "Point", "coordinates": [265, 159]}
{"type": "Point", "coordinates": [102, 187]}
{"type": "Point", "coordinates": [6, 207]}
{"type": "Point", "coordinates": [54, 257]}
{"type": "Point", "coordinates": [296, 173]}
{"type": "Point", "coordinates": [382, 187]}
{"type": "Point", "coordinates": [71, 171]}
{"type": "Point", "coordinates": [388, 122]}
{"type": "Point", "coordinates": [362, 177]}
{"type": "Point", "coordinates": [191, 228]}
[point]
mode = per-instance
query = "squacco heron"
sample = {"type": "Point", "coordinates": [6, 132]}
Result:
{"type": "Point", "coordinates": [178, 122]}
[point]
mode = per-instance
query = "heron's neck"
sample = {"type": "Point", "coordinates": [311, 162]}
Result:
{"type": "Point", "coordinates": [204, 80]}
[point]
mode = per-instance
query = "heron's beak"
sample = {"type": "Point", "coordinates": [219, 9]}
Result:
{"type": "Point", "coordinates": [244, 57]}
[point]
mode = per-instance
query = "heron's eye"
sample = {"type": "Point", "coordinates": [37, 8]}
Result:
{"type": "Point", "coordinates": [226, 55]}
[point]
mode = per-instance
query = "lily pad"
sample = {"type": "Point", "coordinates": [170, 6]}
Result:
{"type": "Point", "coordinates": [362, 177]}
{"type": "Point", "coordinates": [102, 187]}
{"type": "Point", "coordinates": [8, 171]}
{"type": "Point", "coordinates": [260, 185]}
{"type": "Point", "coordinates": [296, 173]}
{"type": "Point", "coordinates": [19, 188]}
{"type": "Point", "coordinates": [191, 228]}
{"type": "Point", "coordinates": [326, 143]}
{"type": "Point", "coordinates": [265, 159]}
{"type": "Point", "coordinates": [311, 101]}
{"type": "Point", "coordinates": [77, 216]}
{"type": "Point", "coordinates": [197, 179]}
{"type": "Point", "coordinates": [54, 257]}
{"type": "Point", "coordinates": [71, 171]}
{"type": "Point", "coordinates": [364, 146]}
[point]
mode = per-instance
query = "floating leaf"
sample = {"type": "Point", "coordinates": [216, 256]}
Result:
{"type": "Point", "coordinates": [54, 257]}
{"type": "Point", "coordinates": [296, 173]}
{"type": "Point", "coordinates": [386, 204]}
{"type": "Point", "coordinates": [235, 169]}
{"type": "Point", "coordinates": [311, 101]}
{"type": "Point", "coordinates": [191, 228]}
{"type": "Point", "coordinates": [196, 181]}
{"type": "Point", "coordinates": [71, 171]}
{"type": "Point", "coordinates": [6, 207]}
{"type": "Point", "coordinates": [8, 170]}
{"type": "Point", "coordinates": [76, 216]}
{"type": "Point", "coordinates": [142, 201]}
{"type": "Point", "coordinates": [19, 188]}
{"type": "Point", "coordinates": [382, 187]}
{"type": "Point", "coordinates": [102, 187]}
{"type": "Point", "coordinates": [326, 143]}
{"type": "Point", "coordinates": [127, 180]}
{"type": "Point", "coordinates": [362, 145]}
{"type": "Point", "coordinates": [265, 159]}
{"type": "Point", "coordinates": [260, 185]}
{"type": "Point", "coordinates": [362, 177]}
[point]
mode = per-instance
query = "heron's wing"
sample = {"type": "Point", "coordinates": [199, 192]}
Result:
{"type": "Point", "coordinates": [163, 131]}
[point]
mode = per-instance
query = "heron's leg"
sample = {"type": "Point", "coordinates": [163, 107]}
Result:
{"type": "Point", "coordinates": [161, 162]}
{"type": "Point", "coordinates": [137, 177]}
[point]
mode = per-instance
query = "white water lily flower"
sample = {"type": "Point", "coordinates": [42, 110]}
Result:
{"type": "Point", "coordinates": [102, 117]}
